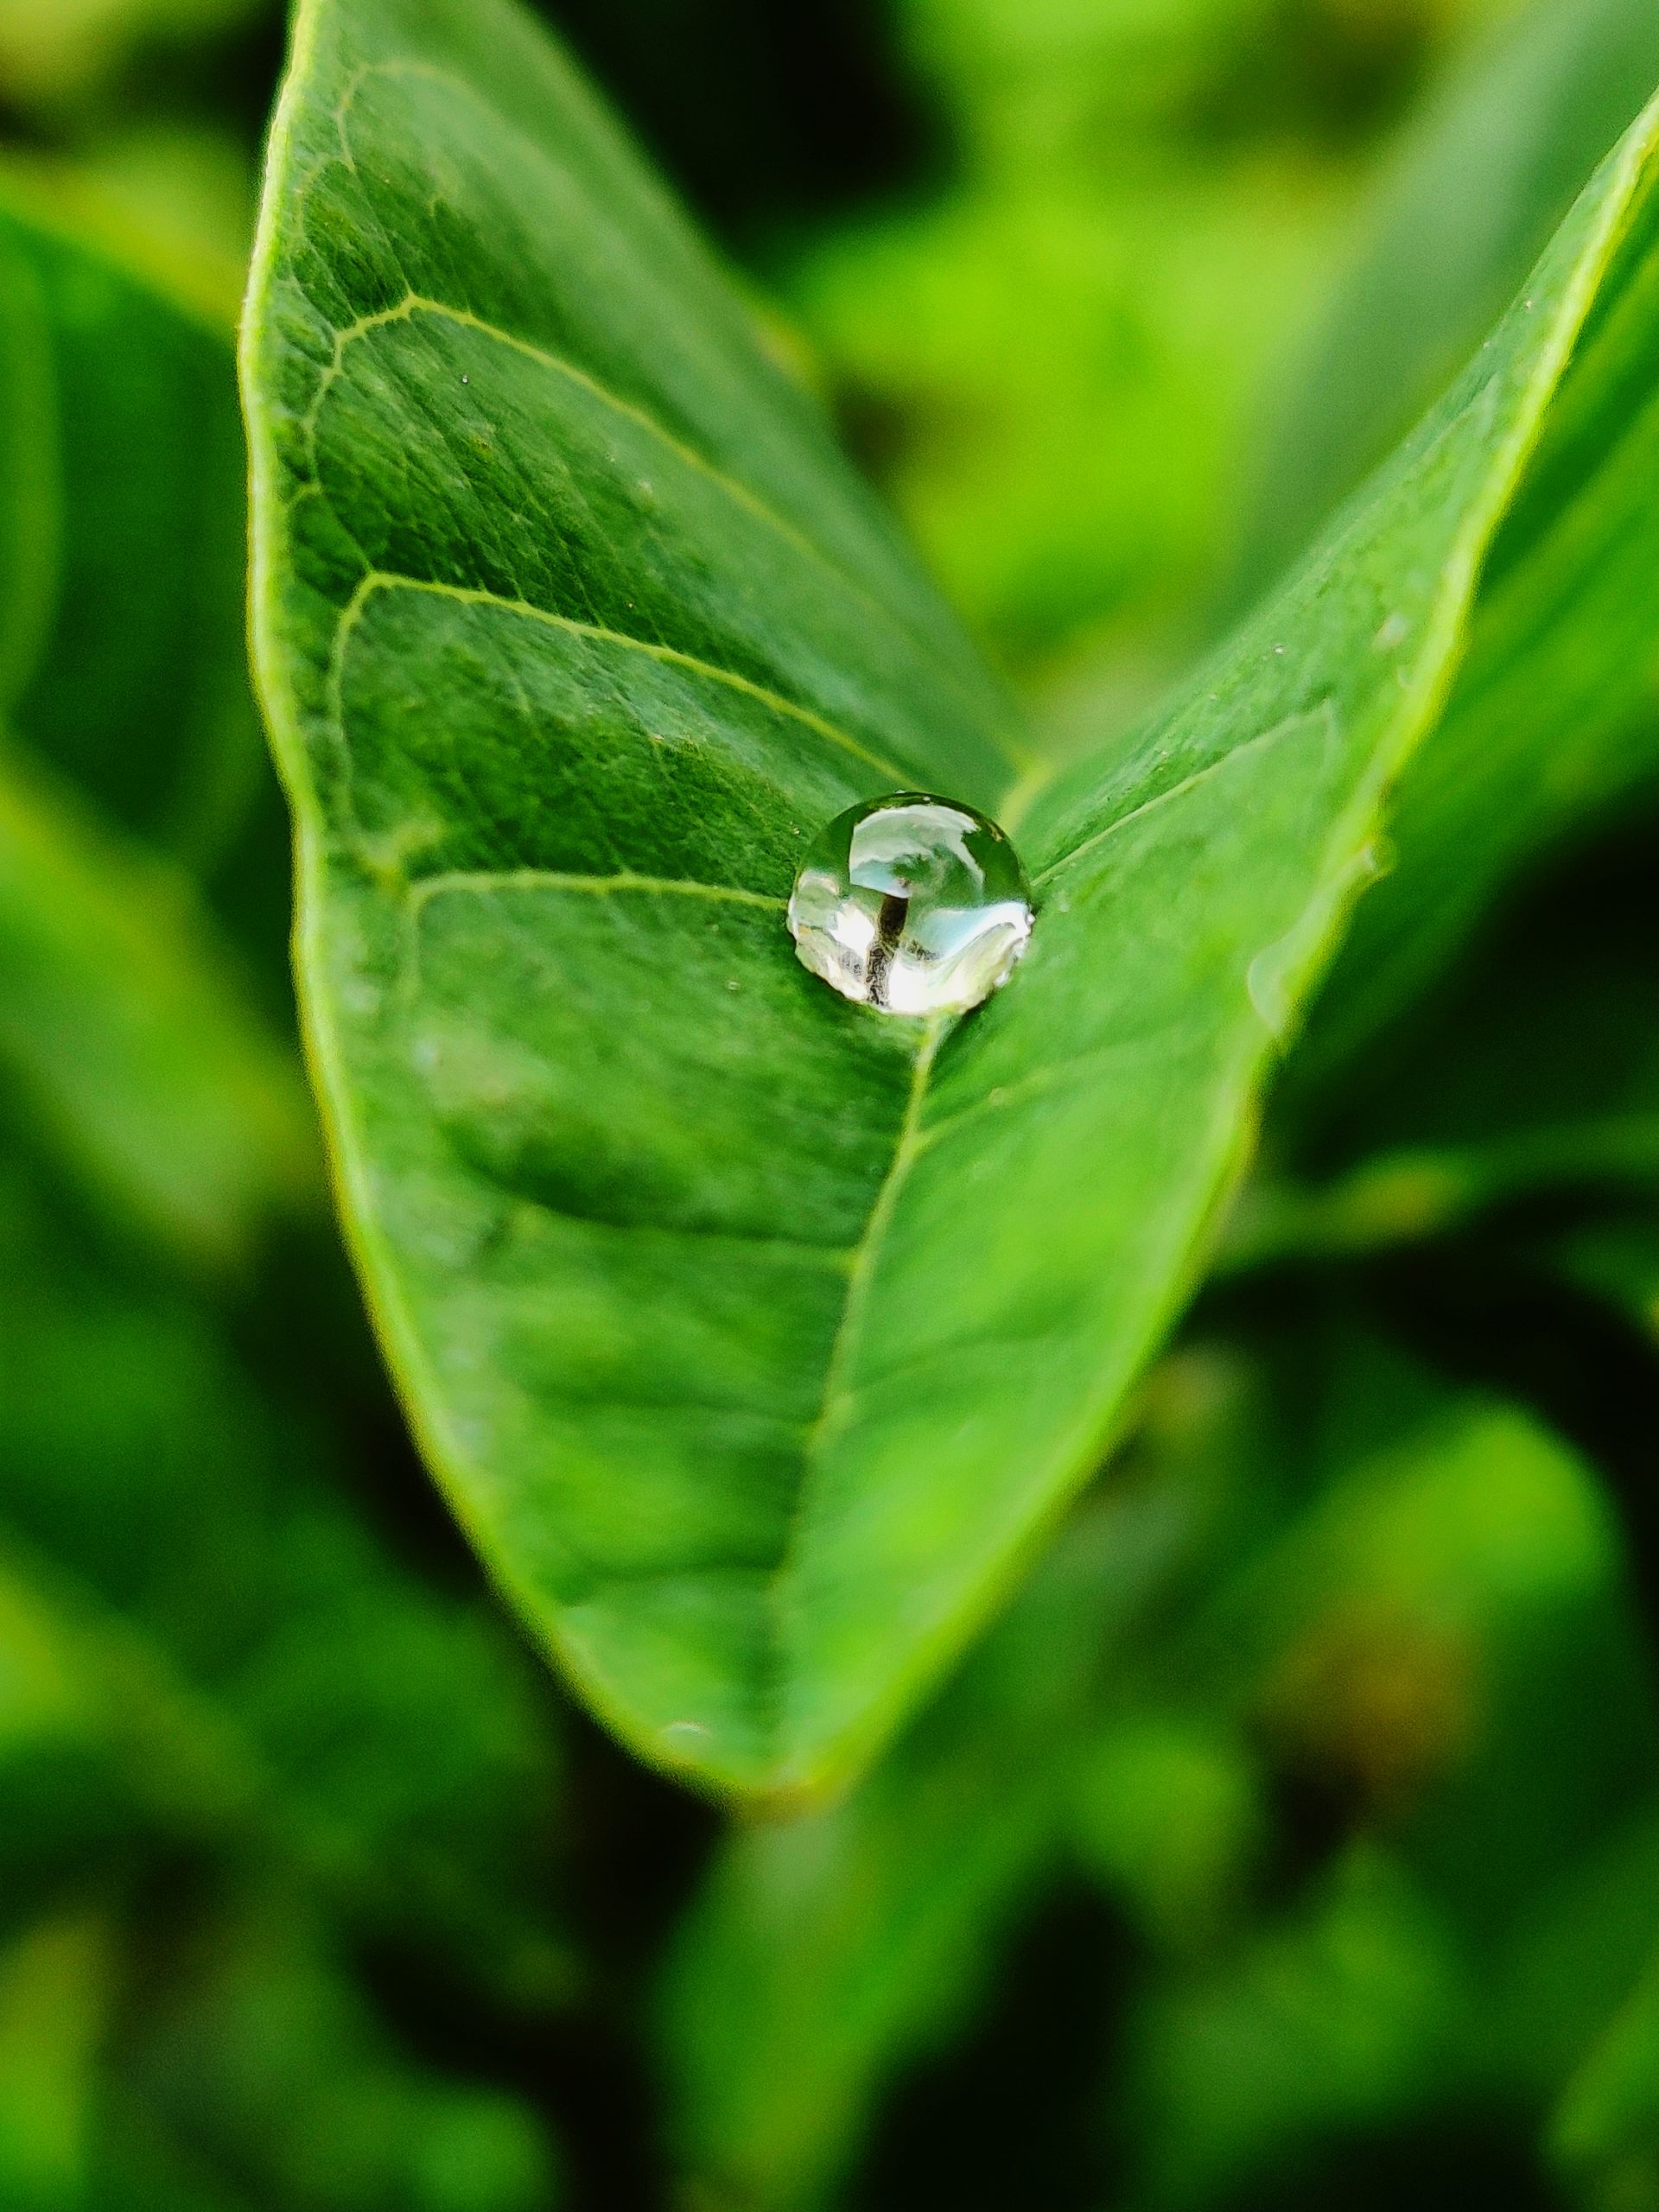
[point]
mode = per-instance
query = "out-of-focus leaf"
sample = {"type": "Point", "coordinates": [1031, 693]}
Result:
{"type": "Point", "coordinates": [823, 1954]}
{"type": "Point", "coordinates": [131, 755]}
{"type": "Point", "coordinates": [1052, 356]}
{"type": "Point", "coordinates": [1442, 1647]}
{"type": "Point", "coordinates": [122, 1031]}
{"type": "Point", "coordinates": [1054, 374]}
{"type": "Point", "coordinates": [1347, 2017]}
{"type": "Point", "coordinates": [263, 2056]}
{"type": "Point", "coordinates": [1578, 1956]}
{"type": "Point", "coordinates": [1169, 1816]}
{"type": "Point", "coordinates": [1535, 1073]}
{"type": "Point", "coordinates": [1582, 2016]}
{"type": "Point", "coordinates": [1552, 725]}
{"type": "Point", "coordinates": [1397, 1601]}
{"type": "Point", "coordinates": [1619, 1263]}
{"type": "Point", "coordinates": [104, 1752]}
{"type": "Point", "coordinates": [121, 514]}
{"type": "Point", "coordinates": [1605, 2130]}
{"type": "Point", "coordinates": [43, 1693]}
{"type": "Point", "coordinates": [691, 1288]}
{"type": "Point", "coordinates": [1480, 181]}
{"type": "Point", "coordinates": [55, 51]}
{"type": "Point", "coordinates": [54, 2002]}
{"type": "Point", "coordinates": [168, 204]}
{"type": "Point", "coordinates": [386, 1738]}
{"type": "Point", "coordinates": [1448, 1637]}
{"type": "Point", "coordinates": [253, 1662]}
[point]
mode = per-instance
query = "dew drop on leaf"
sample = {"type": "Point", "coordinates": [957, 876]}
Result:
{"type": "Point", "coordinates": [911, 905]}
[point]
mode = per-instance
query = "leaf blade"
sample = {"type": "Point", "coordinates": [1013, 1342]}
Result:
{"type": "Point", "coordinates": [749, 1402]}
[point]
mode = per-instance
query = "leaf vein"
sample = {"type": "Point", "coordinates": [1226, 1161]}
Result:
{"type": "Point", "coordinates": [1163, 799]}
{"type": "Point", "coordinates": [414, 303]}
{"type": "Point", "coordinates": [482, 881]}
{"type": "Point", "coordinates": [477, 595]}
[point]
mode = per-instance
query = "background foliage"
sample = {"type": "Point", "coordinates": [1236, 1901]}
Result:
{"type": "Point", "coordinates": [1296, 1831]}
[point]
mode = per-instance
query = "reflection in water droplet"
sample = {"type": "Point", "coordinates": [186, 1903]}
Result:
{"type": "Point", "coordinates": [911, 905]}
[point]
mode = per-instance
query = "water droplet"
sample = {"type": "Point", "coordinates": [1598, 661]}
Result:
{"type": "Point", "coordinates": [912, 905]}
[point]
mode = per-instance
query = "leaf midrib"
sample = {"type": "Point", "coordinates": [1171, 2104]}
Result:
{"type": "Point", "coordinates": [908, 1144]}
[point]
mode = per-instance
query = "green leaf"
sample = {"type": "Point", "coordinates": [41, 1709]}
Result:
{"type": "Point", "coordinates": [259, 2052]}
{"type": "Point", "coordinates": [52, 56]}
{"type": "Point", "coordinates": [122, 555]}
{"type": "Point", "coordinates": [1442, 1649]}
{"type": "Point", "coordinates": [129, 776]}
{"type": "Point", "coordinates": [1551, 727]}
{"type": "Point", "coordinates": [122, 1027]}
{"type": "Point", "coordinates": [1536, 1071]}
{"type": "Point", "coordinates": [1605, 2134]}
{"type": "Point", "coordinates": [754, 1338]}
{"type": "Point", "coordinates": [55, 1996]}
{"type": "Point", "coordinates": [1578, 1957]}
{"type": "Point", "coordinates": [1349, 2015]}
{"type": "Point", "coordinates": [253, 1665]}
{"type": "Point", "coordinates": [1324, 1579]}
{"type": "Point", "coordinates": [1616, 1261]}
{"type": "Point", "coordinates": [824, 1953]}
{"type": "Point", "coordinates": [1477, 184]}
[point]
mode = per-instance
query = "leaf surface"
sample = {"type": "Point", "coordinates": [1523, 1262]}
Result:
{"type": "Point", "coordinates": [754, 1338]}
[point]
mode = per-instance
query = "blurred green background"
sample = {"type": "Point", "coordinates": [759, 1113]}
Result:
{"type": "Point", "coordinates": [1295, 1839]}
